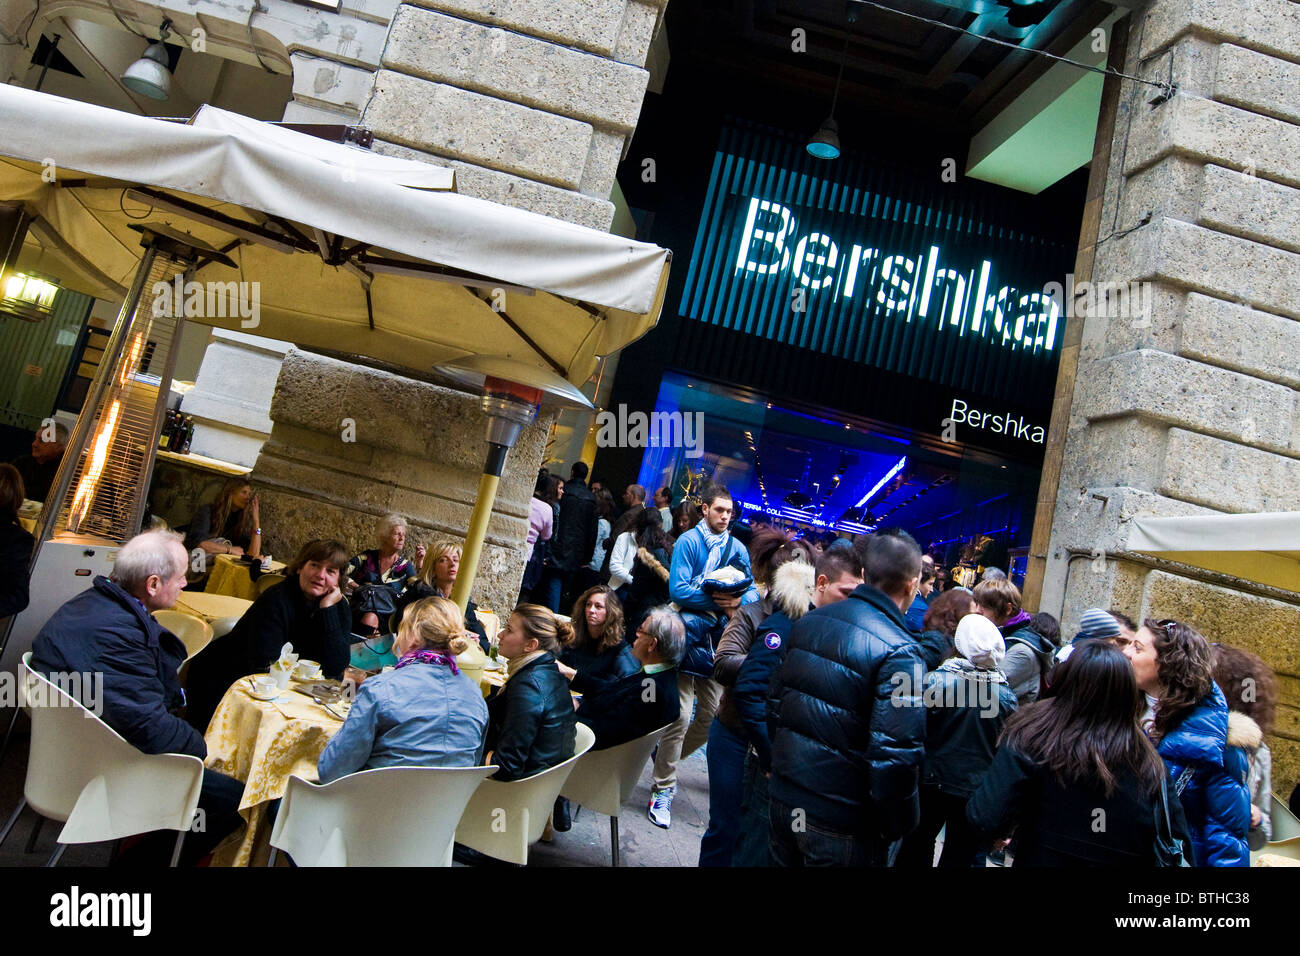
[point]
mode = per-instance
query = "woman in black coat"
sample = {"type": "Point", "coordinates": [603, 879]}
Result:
{"type": "Point", "coordinates": [1075, 777]}
{"type": "Point", "coordinates": [597, 648]}
{"type": "Point", "coordinates": [306, 610]}
{"type": "Point", "coordinates": [649, 585]}
{"type": "Point", "coordinates": [15, 546]}
{"type": "Point", "coordinates": [531, 723]}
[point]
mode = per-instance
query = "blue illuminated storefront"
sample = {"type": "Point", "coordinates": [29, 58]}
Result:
{"type": "Point", "coordinates": [860, 345]}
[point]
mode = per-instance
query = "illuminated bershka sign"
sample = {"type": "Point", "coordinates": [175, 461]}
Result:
{"type": "Point", "coordinates": [900, 271]}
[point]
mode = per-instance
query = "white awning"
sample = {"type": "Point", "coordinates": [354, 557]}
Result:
{"type": "Point", "coordinates": [315, 224]}
{"type": "Point", "coordinates": [1264, 547]}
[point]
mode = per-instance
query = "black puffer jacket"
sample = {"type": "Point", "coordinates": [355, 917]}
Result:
{"type": "Point", "coordinates": [965, 712]}
{"type": "Point", "coordinates": [850, 740]}
{"type": "Point", "coordinates": [575, 532]}
{"type": "Point", "coordinates": [531, 722]}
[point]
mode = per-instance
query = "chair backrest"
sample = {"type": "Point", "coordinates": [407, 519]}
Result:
{"type": "Point", "coordinates": [602, 780]}
{"type": "Point", "coordinates": [222, 626]}
{"type": "Point", "coordinates": [394, 816]}
{"type": "Point", "coordinates": [268, 581]}
{"type": "Point", "coordinates": [81, 771]}
{"type": "Point", "coordinates": [1285, 824]}
{"type": "Point", "coordinates": [504, 819]}
{"type": "Point", "coordinates": [194, 632]}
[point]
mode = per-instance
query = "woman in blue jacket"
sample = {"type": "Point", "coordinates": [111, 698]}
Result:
{"type": "Point", "coordinates": [1187, 719]}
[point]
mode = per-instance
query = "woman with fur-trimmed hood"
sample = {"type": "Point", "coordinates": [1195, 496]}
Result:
{"type": "Point", "coordinates": [649, 585]}
{"type": "Point", "coordinates": [1251, 691]}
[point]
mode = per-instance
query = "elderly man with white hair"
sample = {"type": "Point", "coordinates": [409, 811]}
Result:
{"type": "Point", "coordinates": [110, 630]}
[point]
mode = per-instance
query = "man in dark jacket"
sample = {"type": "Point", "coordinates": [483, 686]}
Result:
{"type": "Point", "coordinates": [622, 709]}
{"type": "Point", "coordinates": [110, 630]}
{"type": "Point", "coordinates": [849, 742]}
{"type": "Point", "coordinates": [575, 536]}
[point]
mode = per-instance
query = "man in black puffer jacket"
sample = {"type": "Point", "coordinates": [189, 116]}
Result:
{"type": "Point", "coordinates": [574, 539]}
{"type": "Point", "coordinates": [849, 743]}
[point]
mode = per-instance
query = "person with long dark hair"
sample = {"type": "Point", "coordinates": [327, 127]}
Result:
{"type": "Point", "coordinates": [231, 524]}
{"type": "Point", "coordinates": [596, 647]}
{"type": "Point", "coordinates": [1074, 775]}
{"type": "Point", "coordinates": [649, 584]}
{"type": "Point", "coordinates": [1250, 688]}
{"type": "Point", "coordinates": [1187, 718]}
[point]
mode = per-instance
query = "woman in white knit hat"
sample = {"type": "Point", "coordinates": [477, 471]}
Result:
{"type": "Point", "coordinates": [967, 701]}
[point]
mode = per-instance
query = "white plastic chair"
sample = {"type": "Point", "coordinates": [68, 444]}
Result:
{"type": "Point", "coordinates": [505, 818]}
{"type": "Point", "coordinates": [81, 773]}
{"type": "Point", "coordinates": [365, 818]}
{"type": "Point", "coordinates": [194, 632]}
{"type": "Point", "coordinates": [1284, 822]}
{"type": "Point", "coordinates": [602, 780]}
{"type": "Point", "coordinates": [222, 626]}
{"type": "Point", "coordinates": [267, 581]}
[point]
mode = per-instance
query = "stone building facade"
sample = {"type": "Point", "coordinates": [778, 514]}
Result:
{"type": "Point", "coordinates": [1193, 407]}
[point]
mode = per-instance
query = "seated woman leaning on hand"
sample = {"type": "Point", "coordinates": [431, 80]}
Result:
{"type": "Point", "coordinates": [532, 725]}
{"type": "Point", "coordinates": [424, 712]}
{"type": "Point", "coordinates": [306, 610]}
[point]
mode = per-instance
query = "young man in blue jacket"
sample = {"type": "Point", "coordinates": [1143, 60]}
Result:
{"type": "Point", "coordinates": [110, 630]}
{"type": "Point", "coordinates": [699, 552]}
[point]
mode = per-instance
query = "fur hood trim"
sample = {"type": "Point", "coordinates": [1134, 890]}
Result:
{"type": "Point", "coordinates": [792, 588]}
{"type": "Point", "coordinates": [651, 562]}
{"type": "Point", "coordinates": [1243, 731]}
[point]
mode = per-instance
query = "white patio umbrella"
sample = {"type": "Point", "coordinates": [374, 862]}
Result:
{"type": "Point", "coordinates": [1263, 547]}
{"type": "Point", "coordinates": [350, 252]}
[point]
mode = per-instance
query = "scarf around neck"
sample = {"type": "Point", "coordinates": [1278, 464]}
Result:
{"type": "Point", "coordinates": [1022, 617]}
{"type": "Point", "coordinates": [428, 656]}
{"type": "Point", "coordinates": [715, 543]}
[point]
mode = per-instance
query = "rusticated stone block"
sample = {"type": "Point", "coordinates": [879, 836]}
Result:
{"type": "Point", "coordinates": [517, 68]}
{"type": "Point", "coordinates": [1250, 207]}
{"type": "Point", "coordinates": [515, 191]}
{"type": "Point", "coordinates": [590, 24]}
{"type": "Point", "coordinates": [1215, 133]}
{"type": "Point", "coordinates": [1206, 260]}
{"type": "Point", "coordinates": [1241, 338]}
{"type": "Point", "coordinates": [602, 163]}
{"type": "Point", "coordinates": [1191, 395]}
{"type": "Point", "coordinates": [1228, 476]}
{"type": "Point", "coordinates": [480, 129]}
{"type": "Point", "coordinates": [1256, 81]}
{"type": "Point", "coordinates": [1271, 26]}
{"type": "Point", "coordinates": [637, 33]}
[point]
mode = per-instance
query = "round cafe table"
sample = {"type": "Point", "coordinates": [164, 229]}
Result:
{"type": "Point", "coordinates": [263, 743]}
{"type": "Point", "coordinates": [212, 607]}
{"type": "Point", "coordinates": [230, 576]}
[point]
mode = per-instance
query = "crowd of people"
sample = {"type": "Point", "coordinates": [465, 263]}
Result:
{"type": "Point", "coordinates": [854, 705]}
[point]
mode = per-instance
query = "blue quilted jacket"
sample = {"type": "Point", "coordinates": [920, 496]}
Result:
{"type": "Point", "coordinates": [1215, 798]}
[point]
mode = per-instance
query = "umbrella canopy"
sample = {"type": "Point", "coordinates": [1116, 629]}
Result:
{"type": "Point", "coordinates": [351, 251]}
{"type": "Point", "coordinates": [1264, 548]}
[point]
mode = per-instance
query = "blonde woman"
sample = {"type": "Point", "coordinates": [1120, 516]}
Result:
{"type": "Point", "coordinates": [437, 577]}
{"type": "Point", "coordinates": [230, 525]}
{"type": "Point", "coordinates": [424, 712]}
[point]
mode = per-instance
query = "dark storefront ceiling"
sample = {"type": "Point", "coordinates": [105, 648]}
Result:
{"type": "Point", "coordinates": [893, 62]}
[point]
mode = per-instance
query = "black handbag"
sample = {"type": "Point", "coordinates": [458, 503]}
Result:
{"type": "Point", "coordinates": [377, 599]}
{"type": "Point", "coordinates": [1169, 850]}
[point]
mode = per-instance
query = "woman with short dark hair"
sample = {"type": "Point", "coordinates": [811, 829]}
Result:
{"type": "Point", "coordinates": [1074, 775]}
{"type": "Point", "coordinates": [306, 610]}
{"type": "Point", "coordinates": [1187, 718]}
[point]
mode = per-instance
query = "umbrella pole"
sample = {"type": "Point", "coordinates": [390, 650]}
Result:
{"type": "Point", "coordinates": [478, 523]}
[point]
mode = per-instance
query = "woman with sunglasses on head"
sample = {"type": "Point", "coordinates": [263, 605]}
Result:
{"type": "Point", "coordinates": [1187, 720]}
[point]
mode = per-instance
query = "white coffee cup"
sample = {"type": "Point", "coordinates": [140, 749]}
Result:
{"type": "Point", "coordinates": [306, 670]}
{"type": "Point", "coordinates": [265, 685]}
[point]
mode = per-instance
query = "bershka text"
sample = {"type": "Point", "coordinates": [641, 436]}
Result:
{"type": "Point", "coordinates": [76, 909]}
{"type": "Point", "coordinates": [1008, 424]}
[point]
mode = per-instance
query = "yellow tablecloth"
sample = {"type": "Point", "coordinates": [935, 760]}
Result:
{"type": "Point", "coordinates": [212, 607]}
{"type": "Point", "coordinates": [230, 576]}
{"type": "Point", "coordinates": [263, 743]}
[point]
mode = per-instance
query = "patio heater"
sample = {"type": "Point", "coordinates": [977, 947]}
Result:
{"type": "Point", "coordinates": [512, 391]}
{"type": "Point", "coordinates": [100, 493]}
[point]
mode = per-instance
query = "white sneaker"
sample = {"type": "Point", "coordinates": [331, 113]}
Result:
{"type": "Point", "coordinates": [661, 802]}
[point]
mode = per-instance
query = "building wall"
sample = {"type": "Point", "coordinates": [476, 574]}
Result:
{"type": "Point", "coordinates": [1194, 407]}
